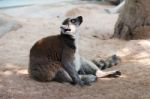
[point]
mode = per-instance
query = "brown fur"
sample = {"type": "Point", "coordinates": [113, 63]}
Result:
{"type": "Point", "coordinates": [45, 58]}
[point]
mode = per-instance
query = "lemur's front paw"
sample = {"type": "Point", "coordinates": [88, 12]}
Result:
{"type": "Point", "coordinates": [81, 83]}
{"type": "Point", "coordinates": [88, 79]}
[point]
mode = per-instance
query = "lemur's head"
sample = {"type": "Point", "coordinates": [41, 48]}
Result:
{"type": "Point", "coordinates": [70, 25]}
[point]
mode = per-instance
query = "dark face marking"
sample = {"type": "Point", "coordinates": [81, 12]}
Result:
{"type": "Point", "coordinates": [75, 21]}
{"type": "Point", "coordinates": [80, 19]}
{"type": "Point", "coordinates": [66, 21]}
{"type": "Point", "coordinates": [70, 25]}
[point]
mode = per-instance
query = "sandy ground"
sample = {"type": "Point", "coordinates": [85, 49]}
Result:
{"type": "Point", "coordinates": [21, 27]}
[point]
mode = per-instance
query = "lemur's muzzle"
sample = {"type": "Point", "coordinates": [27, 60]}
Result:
{"type": "Point", "coordinates": [64, 28]}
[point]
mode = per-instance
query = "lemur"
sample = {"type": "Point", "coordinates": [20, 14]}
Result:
{"type": "Point", "coordinates": [56, 58]}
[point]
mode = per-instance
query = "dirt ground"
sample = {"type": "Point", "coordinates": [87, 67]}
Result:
{"type": "Point", "coordinates": [21, 27]}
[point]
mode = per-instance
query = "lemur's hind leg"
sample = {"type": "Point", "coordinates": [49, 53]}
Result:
{"type": "Point", "coordinates": [109, 62]}
{"type": "Point", "coordinates": [62, 76]}
{"type": "Point", "coordinates": [90, 68]}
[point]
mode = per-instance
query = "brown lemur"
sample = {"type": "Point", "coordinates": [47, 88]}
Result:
{"type": "Point", "coordinates": [56, 58]}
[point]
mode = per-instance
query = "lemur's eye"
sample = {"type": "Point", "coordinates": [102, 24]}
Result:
{"type": "Point", "coordinates": [73, 20]}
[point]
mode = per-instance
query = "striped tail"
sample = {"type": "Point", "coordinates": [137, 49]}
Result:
{"type": "Point", "coordinates": [109, 62]}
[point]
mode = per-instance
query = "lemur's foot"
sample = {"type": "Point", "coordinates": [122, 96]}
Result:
{"type": "Point", "coordinates": [109, 62]}
{"type": "Point", "coordinates": [102, 74]}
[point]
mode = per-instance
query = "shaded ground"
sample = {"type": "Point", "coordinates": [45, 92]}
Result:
{"type": "Point", "coordinates": [95, 31]}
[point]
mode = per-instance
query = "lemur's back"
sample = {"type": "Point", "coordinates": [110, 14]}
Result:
{"type": "Point", "coordinates": [45, 57]}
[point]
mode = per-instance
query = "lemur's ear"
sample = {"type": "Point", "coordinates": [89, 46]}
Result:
{"type": "Point", "coordinates": [64, 29]}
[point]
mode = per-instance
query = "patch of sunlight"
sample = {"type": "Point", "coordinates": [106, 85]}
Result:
{"type": "Point", "coordinates": [142, 55]}
{"type": "Point", "coordinates": [124, 52]}
{"type": "Point", "coordinates": [106, 79]}
{"type": "Point", "coordinates": [123, 76]}
{"type": "Point", "coordinates": [8, 73]}
{"type": "Point", "coordinates": [144, 43]}
{"type": "Point", "coordinates": [23, 71]}
{"type": "Point", "coordinates": [11, 69]}
{"type": "Point", "coordinates": [144, 61]}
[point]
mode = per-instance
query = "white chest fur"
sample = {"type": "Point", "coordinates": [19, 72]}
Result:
{"type": "Point", "coordinates": [77, 61]}
{"type": "Point", "coordinates": [76, 55]}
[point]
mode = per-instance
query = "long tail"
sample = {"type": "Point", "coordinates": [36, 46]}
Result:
{"type": "Point", "coordinates": [109, 62]}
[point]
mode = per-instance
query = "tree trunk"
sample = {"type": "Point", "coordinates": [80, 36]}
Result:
{"type": "Point", "coordinates": [133, 20]}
